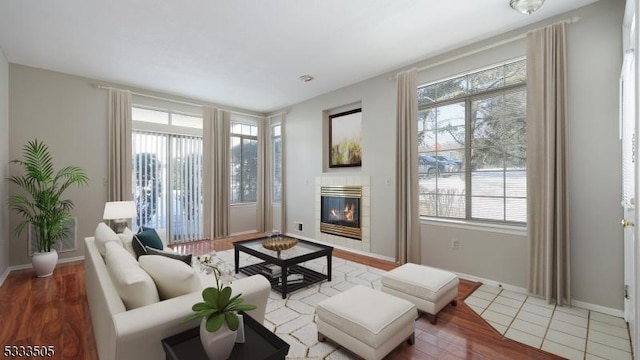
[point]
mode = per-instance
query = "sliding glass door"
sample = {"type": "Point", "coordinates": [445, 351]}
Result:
{"type": "Point", "coordinates": [167, 179]}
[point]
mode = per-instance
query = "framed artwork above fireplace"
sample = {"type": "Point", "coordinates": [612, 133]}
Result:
{"type": "Point", "coordinates": [345, 139]}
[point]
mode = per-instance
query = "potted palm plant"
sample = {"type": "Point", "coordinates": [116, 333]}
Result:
{"type": "Point", "coordinates": [218, 311]}
{"type": "Point", "coordinates": [41, 205]}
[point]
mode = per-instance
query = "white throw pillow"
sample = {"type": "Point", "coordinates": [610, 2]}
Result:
{"type": "Point", "coordinates": [135, 287]}
{"type": "Point", "coordinates": [172, 277]}
{"type": "Point", "coordinates": [103, 235]}
{"type": "Point", "coordinates": [126, 237]}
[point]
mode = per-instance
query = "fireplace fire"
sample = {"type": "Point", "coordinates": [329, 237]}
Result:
{"type": "Point", "coordinates": [340, 211]}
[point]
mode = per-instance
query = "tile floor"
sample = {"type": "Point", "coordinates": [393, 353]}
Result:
{"type": "Point", "coordinates": [570, 332]}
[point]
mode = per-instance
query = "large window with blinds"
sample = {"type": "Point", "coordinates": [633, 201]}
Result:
{"type": "Point", "coordinates": [244, 163]}
{"type": "Point", "coordinates": [167, 172]}
{"type": "Point", "coordinates": [472, 146]}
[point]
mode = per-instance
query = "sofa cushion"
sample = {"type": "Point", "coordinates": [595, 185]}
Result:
{"type": "Point", "coordinates": [172, 277]}
{"type": "Point", "coordinates": [150, 238]}
{"type": "Point", "coordinates": [103, 235]}
{"type": "Point", "coordinates": [126, 237]}
{"type": "Point", "coordinates": [134, 286]}
{"type": "Point", "coordinates": [185, 258]}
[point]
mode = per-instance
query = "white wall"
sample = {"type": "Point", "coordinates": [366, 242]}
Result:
{"type": "Point", "coordinates": [595, 169]}
{"type": "Point", "coordinates": [70, 116]}
{"type": "Point", "coordinates": [242, 219]}
{"type": "Point", "coordinates": [4, 164]}
{"type": "Point", "coordinates": [304, 157]}
{"type": "Point", "coordinates": [276, 223]}
{"type": "Point", "coordinates": [595, 60]}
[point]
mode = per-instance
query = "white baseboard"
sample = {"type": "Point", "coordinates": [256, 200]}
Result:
{"type": "Point", "coordinates": [243, 233]}
{"type": "Point", "coordinates": [521, 290]}
{"type": "Point", "coordinates": [4, 275]}
{"type": "Point", "coordinates": [359, 252]}
{"type": "Point", "coordinates": [509, 287]}
{"type": "Point", "coordinates": [60, 261]}
{"type": "Point", "coordinates": [598, 308]}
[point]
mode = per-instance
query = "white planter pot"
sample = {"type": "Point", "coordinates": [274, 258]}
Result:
{"type": "Point", "coordinates": [218, 345]}
{"type": "Point", "coordinates": [44, 262]}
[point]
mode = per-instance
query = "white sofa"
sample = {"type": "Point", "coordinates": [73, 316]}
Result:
{"type": "Point", "coordinates": [136, 334]}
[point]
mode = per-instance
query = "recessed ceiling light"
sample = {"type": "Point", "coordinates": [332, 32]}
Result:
{"type": "Point", "coordinates": [305, 78]}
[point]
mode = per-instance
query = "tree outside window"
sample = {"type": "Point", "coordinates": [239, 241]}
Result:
{"type": "Point", "coordinates": [472, 145]}
{"type": "Point", "coordinates": [244, 163]}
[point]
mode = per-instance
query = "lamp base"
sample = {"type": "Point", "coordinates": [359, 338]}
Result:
{"type": "Point", "coordinates": [118, 226]}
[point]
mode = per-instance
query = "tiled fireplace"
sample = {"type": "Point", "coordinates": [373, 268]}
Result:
{"type": "Point", "coordinates": [343, 211]}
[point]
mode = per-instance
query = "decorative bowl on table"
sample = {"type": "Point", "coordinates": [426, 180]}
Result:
{"type": "Point", "coordinates": [279, 244]}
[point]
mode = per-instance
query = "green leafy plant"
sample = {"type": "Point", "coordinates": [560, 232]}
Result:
{"type": "Point", "coordinates": [218, 306]}
{"type": "Point", "coordinates": [42, 205]}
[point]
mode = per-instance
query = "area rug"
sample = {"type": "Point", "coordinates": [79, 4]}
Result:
{"type": "Point", "coordinates": [293, 319]}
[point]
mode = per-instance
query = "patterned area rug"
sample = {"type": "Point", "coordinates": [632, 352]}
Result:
{"type": "Point", "coordinates": [293, 319]}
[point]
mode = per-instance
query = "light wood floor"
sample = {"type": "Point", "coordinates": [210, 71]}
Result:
{"type": "Point", "coordinates": [54, 311]}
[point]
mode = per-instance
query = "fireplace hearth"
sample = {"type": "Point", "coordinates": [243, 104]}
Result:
{"type": "Point", "coordinates": [340, 211]}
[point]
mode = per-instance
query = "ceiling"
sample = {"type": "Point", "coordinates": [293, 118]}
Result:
{"type": "Point", "coordinates": [247, 54]}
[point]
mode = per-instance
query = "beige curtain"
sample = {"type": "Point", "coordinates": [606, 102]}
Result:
{"type": "Point", "coordinates": [264, 221]}
{"type": "Point", "coordinates": [209, 118]}
{"type": "Point", "coordinates": [407, 216]}
{"type": "Point", "coordinates": [547, 183]}
{"type": "Point", "coordinates": [120, 152]}
{"type": "Point", "coordinates": [221, 183]}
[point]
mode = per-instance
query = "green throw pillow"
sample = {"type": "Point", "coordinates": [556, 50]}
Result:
{"type": "Point", "coordinates": [150, 238]}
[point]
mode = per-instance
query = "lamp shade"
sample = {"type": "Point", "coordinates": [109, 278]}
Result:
{"type": "Point", "coordinates": [526, 7]}
{"type": "Point", "coordinates": [117, 210]}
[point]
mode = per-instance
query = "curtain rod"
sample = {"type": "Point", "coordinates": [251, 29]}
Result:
{"type": "Point", "coordinates": [104, 87]}
{"type": "Point", "coordinates": [571, 20]}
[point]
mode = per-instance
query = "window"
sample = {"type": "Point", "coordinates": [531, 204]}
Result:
{"type": "Point", "coordinates": [164, 117]}
{"type": "Point", "coordinates": [244, 163]}
{"type": "Point", "coordinates": [472, 146]}
{"type": "Point", "coordinates": [276, 160]}
{"type": "Point", "coordinates": [167, 172]}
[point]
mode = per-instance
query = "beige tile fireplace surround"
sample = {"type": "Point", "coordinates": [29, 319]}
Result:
{"type": "Point", "coordinates": [365, 211]}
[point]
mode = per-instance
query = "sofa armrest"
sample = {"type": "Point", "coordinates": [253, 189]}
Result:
{"type": "Point", "coordinates": [255, 290]}
{"type": "Point", "coordinates": [139, 331]}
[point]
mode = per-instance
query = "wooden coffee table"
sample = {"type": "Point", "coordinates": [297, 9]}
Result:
{"type": "Point", "coordinates": [288, 261]}
{"type": "Point", "coordinates": [260, 344]}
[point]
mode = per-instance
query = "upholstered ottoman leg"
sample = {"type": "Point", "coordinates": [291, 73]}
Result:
{"type": "Point", "coordinates": [321, 338]}
{"type": "Point", "coordinates": [411, 339]}
{"type": "Point", "coordinates": [433, 319]}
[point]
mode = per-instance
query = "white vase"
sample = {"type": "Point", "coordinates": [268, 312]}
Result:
{"type": "Point", "coordinates": [44, 262]}
{"type": "Point", "coordinates": [219, 344]}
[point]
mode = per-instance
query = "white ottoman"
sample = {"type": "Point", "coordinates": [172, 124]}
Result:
{"type": "Point", "coordinates": [368, 322]}
{"type": "Point", "coordinates": [430, 289]}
